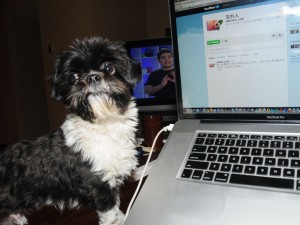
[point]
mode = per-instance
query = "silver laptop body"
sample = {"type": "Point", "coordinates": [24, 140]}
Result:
{"type": "Point", "coordinates": [238, 91]}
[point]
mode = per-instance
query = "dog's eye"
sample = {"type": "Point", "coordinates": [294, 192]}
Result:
{"type": "Point", "coordinates": [73, 78]}
{"type": "Point", "coordinates": [109, 68]}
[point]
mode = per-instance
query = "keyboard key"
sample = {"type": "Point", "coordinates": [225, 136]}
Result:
{"type": "Point", "coordinates": [199, 148]}
{"type": "Point", "coordinates": [186, 173]}
{"type": "Point", "coordinates": [275, 144]}
{"type": "Point", "coordinates": [230, 142]}
{"type": "Point", "coordinates": [197, 165]}
{"type": "Point", "coordinates": [264, 144]}
{"type": "Point", "coordinates": [241, 143]}
{"type": "Point", "coordinates": [244, 136]}
{"type": "Point", "coordinates": [262, 181]}
{"type": "Point", "coordinates": [197, 156]}
{"type": "Point", "coordinates": [212, 135]}
{"type": "Point", "coordinates": [252, 143]}
{"type": "Point", "coordinates": [295, 163]}
{"type": "Point", "coordinates": [197, 175]}
{"type": "Point", "coordinates": [267, 137]}
{"type": "Point", "coordinates": [257, 160]}
{"type": "Point", "coordinates": [246, 160]}
{"type": "Point", "coordinates": [233, 150]}
{"type": "Point", "coordinates": [226, 167]}
{"type": "Point", "coordinates": [209, 141]}
{"type": "Point", "coordinates": [233, 136]}
{"type": "Point", "coordinates": [268, 152]}
{"type": "Point", "coordinates": [289, 173]}
{"type": "Point", "coordinates": [287, 144]}
{"type": "Point", "coordinates": [262, 170]}
{"type": "Point", "coordinates": [220, 141]}
{"type": "Point", "coordinates": [199, 141]}
{"type": "Point", "coordinates": [244, 151]}
{"type": "Point", "coordinates": [222, 158]}
{"type": "Point", "coordinates": [291, 138]}
{"type": "Point", "coordinates": [222, 135]}
{"type": "Point", "coordinates": [214, 166]}
{"type": "Point", "coordinates": [297, 144]}
{"type": "Point", "coordinates": [298, 185]}
{"type": "Point", "coordinates": [293, 154]}
{"type": "Point", "coordinates": [256, 151]}
{"type": "Point", "coordinates": [222, 150]}
{"type": "Point", "coordinates": [212, 157]}
{"type": "Point", "coordinates": [250, 169]}
{"type": "Point", "coordinates": [234, 159]}
{"type": "Point", "coordinates": [270, 162]}
{"type": "Point", "coordinates": [275, 171]}
{"type": "Point", "coordinates": [212, 149]}
{"type": "Point", "coordinates": [202, 135]}
{"type": "Point", "coordinates": [280, 153]}
{"type": "Point", "coordinates": [283, 162]}
{"type": "Point", "coordinates": [208, 175]}
{"type": "Point", "coordinates": [221, 177]}
{"type": "Point", "coordinates": [256, 137]}
{"type": "Point", "coordinates": [279, 138]}
{"type": "Point", "coordinates": [237, 168]}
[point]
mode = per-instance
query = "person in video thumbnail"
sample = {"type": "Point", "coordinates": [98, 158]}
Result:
{"type": "Point", "coordinates": [161, 82]}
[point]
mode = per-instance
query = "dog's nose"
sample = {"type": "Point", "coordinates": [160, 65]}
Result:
{"type": "Point", "coordinates": [93, 78]}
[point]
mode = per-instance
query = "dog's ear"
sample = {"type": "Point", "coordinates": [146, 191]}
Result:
{"type": "Point", "coordinates": [58, 81]}
{"type": "Point", "coordinates": [135, 74]}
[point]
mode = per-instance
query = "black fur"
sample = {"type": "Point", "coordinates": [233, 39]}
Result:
{"type": "Point", "coordinates": [47, 170]}
{"type": "Point", "coordinates": [32, 172]}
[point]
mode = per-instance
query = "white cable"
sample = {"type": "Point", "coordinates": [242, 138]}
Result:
{"type": "Point", "coordinates": [167, 128]}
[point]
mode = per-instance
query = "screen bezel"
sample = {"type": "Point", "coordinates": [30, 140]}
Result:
{"type": "Point", "coordinates": [265, 116]}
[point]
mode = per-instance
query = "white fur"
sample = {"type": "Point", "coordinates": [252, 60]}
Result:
{"type": "Point", "coordinates": [72, 204]}
{"type": "Point", "coordinates": [111, 217]}
{"type": "Point", "coordinates": [108, 142]}
{"type": "Point", "coordinates": [14, 219]}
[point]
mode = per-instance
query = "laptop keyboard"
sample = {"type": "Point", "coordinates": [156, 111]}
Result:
{"type": "Point", "coordinates": [252, 159]}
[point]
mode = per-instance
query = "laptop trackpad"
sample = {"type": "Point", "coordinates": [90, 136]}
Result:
{"type": "Point", "coordinates": [256, 212]}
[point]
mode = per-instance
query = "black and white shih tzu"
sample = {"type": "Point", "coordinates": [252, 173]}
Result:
{"type": "Point", "coordinates": [84, 162]}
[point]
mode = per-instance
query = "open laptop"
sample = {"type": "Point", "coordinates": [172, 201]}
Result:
{"type": "Point", "coordinates": [233, 156]}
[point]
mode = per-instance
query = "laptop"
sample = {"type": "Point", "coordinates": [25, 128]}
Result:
{"type": "Point", "coordinates": [232, 158]}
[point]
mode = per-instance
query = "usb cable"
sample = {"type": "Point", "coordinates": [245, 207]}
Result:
{"type": "Point", "coordinates": [166, 128]}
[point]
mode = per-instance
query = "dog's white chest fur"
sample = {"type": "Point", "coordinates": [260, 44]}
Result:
{"type": "Point", "coordinates": [108, 144]}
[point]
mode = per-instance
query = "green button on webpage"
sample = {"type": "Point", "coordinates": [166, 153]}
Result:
{"type": "Point", "coordinates": [213, 42]}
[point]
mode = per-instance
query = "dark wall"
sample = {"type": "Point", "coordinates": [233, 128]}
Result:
{"type": "Point", "coordinates": [29, 27]}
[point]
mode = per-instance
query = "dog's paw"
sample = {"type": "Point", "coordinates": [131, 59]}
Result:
{"type": "Point", "coordinates": [112, 217]}
{"type": "Point", "coordinates": [119, 218]}
{"type": "Point", "coordinates": [15, 219]}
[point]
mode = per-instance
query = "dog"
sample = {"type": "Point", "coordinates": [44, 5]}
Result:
{"type": "Point", "coordinates": [84, 162]}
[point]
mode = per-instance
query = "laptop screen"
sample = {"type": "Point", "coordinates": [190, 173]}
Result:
{"type": "Point", "coordinates": [237, 59]}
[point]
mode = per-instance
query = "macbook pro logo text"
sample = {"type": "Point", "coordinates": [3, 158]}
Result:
{"type": "Point", "coordinates": [276, 117]}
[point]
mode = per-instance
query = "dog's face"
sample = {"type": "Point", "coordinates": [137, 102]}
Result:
{"type": "Point", "coordinates": [94, 78]}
